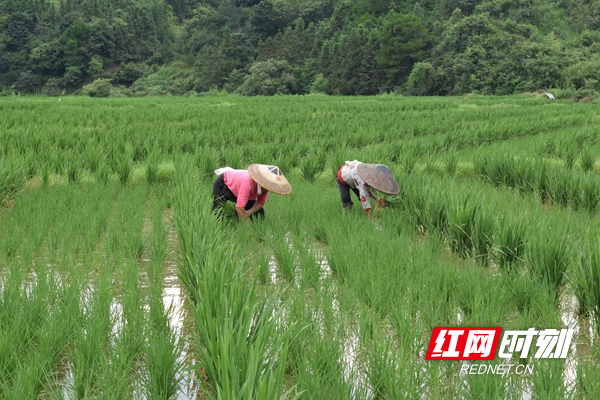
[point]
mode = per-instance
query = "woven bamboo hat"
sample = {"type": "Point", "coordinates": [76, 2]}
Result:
{"type": "Point", "coordinates": [379, 177]}
{"type": "Point", "coordinates": [270, 177]}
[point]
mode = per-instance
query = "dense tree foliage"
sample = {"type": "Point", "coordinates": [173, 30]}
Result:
{"type": "Point", "coordinates": [263, 47]}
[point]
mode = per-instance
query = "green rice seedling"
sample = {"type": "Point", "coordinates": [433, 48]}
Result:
{"type": "Point", "coordinates": [510, 244]}
{"type": "Point", "coordinates": [339, 255]}
{"type": "Point", "coordinates": [569, 155]}
{"type": "Point", "coordinates": [486, 386]}
{"type": "Point", "coordinates": [158, 235]}
{"type": "Point", "coordinates": [480, 300]}
{"type": "Point", "coordinates": [30, 164]}
{"type": "Point", "coordinates": [523, 291]}
{"type": "Point", "coordinates": [548, 258]}
{"type": "Point", "coordinates": [234, 157]}
{"type": "Point", "coordinates": [321, 374]}
{"type": "Point", "coordinates": [163, 350]}
{"type": "Point", "coordinates": [586, 159]}
{"type": "Point", "coordinates": [461, 225]}
{"type": "Point", "coordinates": [409, 159]}
{"type": "Point", "coordinates": [261, 268]}
{"type": "Point", "coordinates": [12, 178]}
{"type": "Point", "coordinates": [163, 370]}
{"type": "Point", "coordinates": [285, 163]}
{"type": "Point", "coordinates": [163, 365]}
{"type": "Point", "coordinates": [207, 161]}
{"type": "Point", "coordinates": [585, 280]}
{"type": "Point", "coordinates": [58, 162]}
{"type": "Point", "coordinates": [439, 380]}
{"type": "Point", "coordinates": [559, 181]}
{"type": "Point", "coordinates": [32, 340]}
{"type": "Point", "coordinates": [366, 322]}
{"type": "Point", "coordinates": [321, 231]}
{"type": "Point", "coordinates": [384, 361]}
{"type": "Point", "coordinates": [542, 186]}
{"type": "Point", "coordinates": [45, 175]}
{"type": "Point", "coordinates": [312, 165]}
{"type": "Point", "coordinates": [587, 381]}
{"type": "Point", "coordinates": [241, 350]}
{"type": "Point", "coordinates": [431, 165]}
{"type": "Point", "coordinates": [133, 213]}
{"type": "Point", "coordinates": [590, 193]}
{"type": "Point", "coordinates": [451, 164]}
{"type": "Point", "coordinates": [495, 170]}
{"type": "Point", "coordinates": [87, 353]}
{"type": "Point", "coordinates": [73, 169]}
{"type": "Point", "coordinates": [435, 214]}
{"type": "Point", "coordinates": [548, 380]}
{"type": "Point", "coordinates": [483, 232]}
{"type": "Point", "coordinates": [299, 322]}
{"type": "Point", "coordinates": [152, 169]}
{"type": "Point", "coordinates": [93, 159]}
{"type": "Point", "coordinates": [575, 193]}
{"type": "Point", "coordinates": [124, 168]}
{"type": "Point", "coordinates": [435, 297]}
{"type": "Point", "coordinates": [546, 148]}
{"type": "Point", "coordinates": [115, 372]}
{"type": "Point", "coordinates": [103, 173]}
{"type": "Point", "coordinates": [309, 262]}
{"type": "Point", "coordinates": [284, 256]}
{"type": "Point", "coordinates": [130, 339]}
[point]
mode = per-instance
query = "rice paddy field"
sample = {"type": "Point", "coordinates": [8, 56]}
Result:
{"type": "Point", "coordinates": [118, 282]}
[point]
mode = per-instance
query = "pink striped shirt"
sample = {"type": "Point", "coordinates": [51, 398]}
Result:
{"type": "Point", "coordinates": [243, 187]}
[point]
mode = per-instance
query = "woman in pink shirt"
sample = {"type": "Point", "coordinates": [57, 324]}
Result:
{"type": "Point", "coordinates": [249, 189]}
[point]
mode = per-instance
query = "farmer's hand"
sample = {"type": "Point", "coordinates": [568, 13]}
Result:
{"type": "Point", "coordinates": [381, 202]}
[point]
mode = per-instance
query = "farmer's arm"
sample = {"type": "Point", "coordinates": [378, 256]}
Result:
{"type": "Point", "coordinates": [244, 214]}
{"type": "Point", "coordinates": [372, 195]}
{"type": "Point", "coordinates": [365, 193]}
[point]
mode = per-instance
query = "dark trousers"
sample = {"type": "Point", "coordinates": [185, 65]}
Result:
{"type": "Point", "coordinates": [345, 193]}
{"type": "Point", "coordinates": [221, 194]}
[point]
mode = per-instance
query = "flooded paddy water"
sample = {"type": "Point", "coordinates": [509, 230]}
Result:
{"type": "Point", "coordinates": [117, 298]}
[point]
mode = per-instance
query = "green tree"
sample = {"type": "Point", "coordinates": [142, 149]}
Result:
{"type": "Point", "coordinates": [402, 41]}
{"type": "Point", "coordinates": [47, 58]}
{"type": "Point", "coordinates": [264, 19]}
{"type": "Point", "coordinates": [235, 80]}
{"type": "Point", "coordinates": [27, 81]}
{"type": "Point", "coordinates": [268, 78]}
{"type": "Point", "coordinates": [95, 66]}
{"type": "Point", "coordinates": [72, 76]}
{"type": "Point", "coordinates": [18, 28]}
{"type": "Point", "coordinates": [320, 85]}
{"type": "Point", "coordinates": [421, 81]}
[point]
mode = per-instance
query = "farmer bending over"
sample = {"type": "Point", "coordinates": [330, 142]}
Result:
{"type": "Point", "coordinates": [249, 189]}
{"type": "Point", "coordinates": [361, 178]}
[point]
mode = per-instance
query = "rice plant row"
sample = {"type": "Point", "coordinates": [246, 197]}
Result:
{"type": "Point", "coordinates": [552, 183]}
{"type": "Point", "coordinates": [76, 318]}
{"type": "Point", "coordinates": [242, 345]}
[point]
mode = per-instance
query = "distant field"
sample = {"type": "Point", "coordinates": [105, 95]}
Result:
{"type": "Point", "coordinates": [115, 277]}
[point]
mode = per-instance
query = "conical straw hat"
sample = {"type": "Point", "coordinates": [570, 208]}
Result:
{"type": "Point", "coordinates": [379, 177]}
{"type": "Point", "coordinates": [270, 177]}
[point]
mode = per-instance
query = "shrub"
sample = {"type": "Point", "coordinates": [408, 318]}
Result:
{"type": "Point", "coordinates": [319, 85]}
{"type": "Point", "coordinates": [53, 87]}
{"type": "Point", "coordinates": [268, 78]}
{"type": "Point", "coordinates": [98, 88]}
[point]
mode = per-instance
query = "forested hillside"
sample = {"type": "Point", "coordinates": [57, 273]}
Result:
{"type": "Point", "coordinates": [253, 47]}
